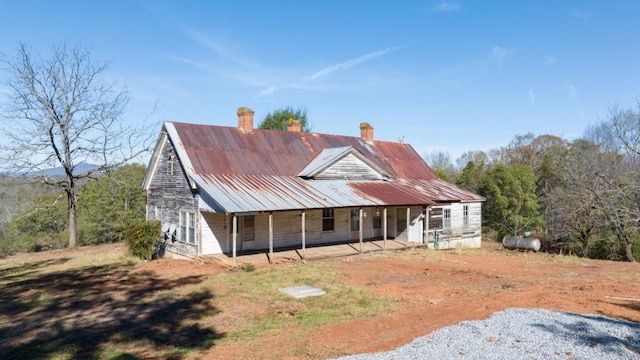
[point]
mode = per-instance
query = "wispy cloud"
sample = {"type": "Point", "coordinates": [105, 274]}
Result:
{"type": "Point", "coordinates": [498, 54]}
{"type": "Point", "coordinates": [350, 63]}
{"type": "Point", "coordinates": [216, 47]}
{"type": "Point", "coordinates": [447, 6]}
{"type": "Point", "coordinates": [550, 60]}
{"type": "Point", "coordinates": [228, 64]}
{"type": "Point", "coordinates": [532, 97]}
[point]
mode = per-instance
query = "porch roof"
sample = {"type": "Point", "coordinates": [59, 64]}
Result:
{"type": "Point", "coordinates": [244, 193]}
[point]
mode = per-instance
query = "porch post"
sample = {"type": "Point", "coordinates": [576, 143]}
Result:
{"type": "Point", "coordinates": [425, 236]}
{"type": "Point", "coordinates": [235, 237]}
{"type": "Point", "coordinates": [360, 216]}
{"type": "Point", "coordinates": [384, 228]}
{"type": "Point", "coordinates": [270, 237]}
{"type": "Point", "coordinates": [408, 223]}
{"type": "Point", "coordinates": [304, 216]}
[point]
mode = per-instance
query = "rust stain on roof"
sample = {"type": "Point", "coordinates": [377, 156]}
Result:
{"type": "Point", "coordinates": [258, 171]}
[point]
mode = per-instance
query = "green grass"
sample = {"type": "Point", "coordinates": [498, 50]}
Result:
{"type": "Point", "coordinates": [260, 288]}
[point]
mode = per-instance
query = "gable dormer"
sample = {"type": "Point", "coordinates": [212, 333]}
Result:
{"type": "Point", "coordinates": [342, 163]}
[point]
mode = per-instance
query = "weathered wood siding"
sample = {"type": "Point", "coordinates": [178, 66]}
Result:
{"type": "Point", "coordinates": [349, 167]}
{"type": "Point", "coordinates": [458, 234]}
{"type": "Point", "coordinates": [169, 193]}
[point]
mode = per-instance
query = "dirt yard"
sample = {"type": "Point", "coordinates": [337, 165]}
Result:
{"type": "Point", "coordinates": [430, 292]}
{"type": "Point", "coordinates": [460, 285]}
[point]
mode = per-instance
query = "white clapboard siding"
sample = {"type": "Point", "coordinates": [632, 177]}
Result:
{"type": "Point", "coordinates": [213, 233]}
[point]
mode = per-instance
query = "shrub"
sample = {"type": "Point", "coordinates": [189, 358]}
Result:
{"type": "Point", "coordinates": [249, 267]}
{"type": "Point", "coordinates": [143, 238]}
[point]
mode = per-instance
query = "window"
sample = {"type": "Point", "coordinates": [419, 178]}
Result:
{"type": "Point", "coordinates": [328, 220]}
{"type": "Point", "coordinates": [465, 216]}
{"type": "Point", "coordinates": [187, 227]}
{"type": "Point", "coordinates": [447, 219]}
{"type": "Point", "coordinates": [249, 228]}
{"type": "Point", "coordinates": [191, 231]}
{"type": "Point", "coordinates": [355, 220]}
{"type": "Point", "coordinates": [157, 213]}
{"type": "Point", "coordinates": [170, 160]}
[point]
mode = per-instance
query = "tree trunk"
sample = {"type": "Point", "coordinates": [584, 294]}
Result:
{"type": "Point", "coordinates": [73, 224]}
{"type": "Point", "coordinates": [629, 251]}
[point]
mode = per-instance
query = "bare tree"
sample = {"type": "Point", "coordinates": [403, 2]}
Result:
{"type": "Point", "coordinates": [440, 162]}
{"type": "Point", "coordinates": [619, 134]}
{"type": "Point", "coordinates": [62, 113]}
{"type": "Point", "coordinates": [572, 210]}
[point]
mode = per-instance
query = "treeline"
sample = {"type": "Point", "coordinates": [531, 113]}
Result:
{"type": "Point", "coordinates": [580, 196]}
{"type": "Point", "coordinates": [35, 217]}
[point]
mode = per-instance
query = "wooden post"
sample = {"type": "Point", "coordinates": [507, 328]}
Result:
{"type": "Point", "coordinates": [425, 238]}
{"type": "Point", "coordinates": [360, 216]}
{"type": "Point", "coordinates": [235, 237]}
{"type": "Point", "coordinates": [270, 237]}
{"type": "Point", "coordinates": [304, 216]}
{"type": "Point", "coordinates": [384, 229]}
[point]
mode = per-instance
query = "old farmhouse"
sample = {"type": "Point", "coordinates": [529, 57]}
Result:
{"type": "Point", "coordinates": [225, 190]}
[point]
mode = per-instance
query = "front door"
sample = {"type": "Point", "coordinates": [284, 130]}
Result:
{"type": "Point", "coordinates": [401, 223]}
{"type": "Point", "coordinates": [377, 222]}
{"type": "Point", "coordinates": [354, 224]}
{"type": "Point", "coordinates": [248, 232]}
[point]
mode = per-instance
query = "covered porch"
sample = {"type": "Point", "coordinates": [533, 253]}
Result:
{"type": "Point", "coordinates": [314, 252]}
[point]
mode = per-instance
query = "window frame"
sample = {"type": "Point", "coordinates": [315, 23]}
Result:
{"type": "Point", "coordinates": [328, 220]}
{"type": "Point", "coordinates": [187, 225]}
{"type": "Point", "coordinates": [446, 218]}
{"type": "Point", "coordinates": [465, 216]}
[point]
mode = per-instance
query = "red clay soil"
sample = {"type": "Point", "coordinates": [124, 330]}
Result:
{"type": "Point", "coordinates": [460, 286]}
{"type": "Point", "coordinates": [434, 292]}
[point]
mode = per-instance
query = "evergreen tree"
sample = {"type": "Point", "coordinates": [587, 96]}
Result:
{"type": "Point", "coordinates": [279, 118]}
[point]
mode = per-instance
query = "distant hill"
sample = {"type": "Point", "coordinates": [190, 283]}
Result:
{"type": "Point", "coordinates": [58, 171]}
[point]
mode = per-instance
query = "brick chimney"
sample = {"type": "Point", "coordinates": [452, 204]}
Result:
{"type": "Point", "coordinates": [294, 125]}
{"type": "Point", "coordinates": [245, 119]}
{"type": "Point", "coordinates": [366, 131]}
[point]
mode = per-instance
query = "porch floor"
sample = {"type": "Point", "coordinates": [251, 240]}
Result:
{"type": "Point", "coordinates": [313, 252]}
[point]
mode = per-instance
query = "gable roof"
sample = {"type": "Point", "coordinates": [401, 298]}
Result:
{"type": "Point", "coordinates": [267, 170]}
{"type": "Point", "coordinates": [365, 169]}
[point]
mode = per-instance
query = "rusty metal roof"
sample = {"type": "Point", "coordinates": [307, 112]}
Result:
{"type": "Point", "coordinates": [259, 170]}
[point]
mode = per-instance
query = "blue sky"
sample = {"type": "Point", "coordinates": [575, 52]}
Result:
{"type": "Point", "coordinates": [448, 76]}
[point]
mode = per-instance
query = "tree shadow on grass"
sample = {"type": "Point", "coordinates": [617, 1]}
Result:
{"type": "Point", "coordinates": [616, 337]}
{"type": "Point", "coordinates": [22, 270]}
{"type": "Point", "coordinates": [78, 313]}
